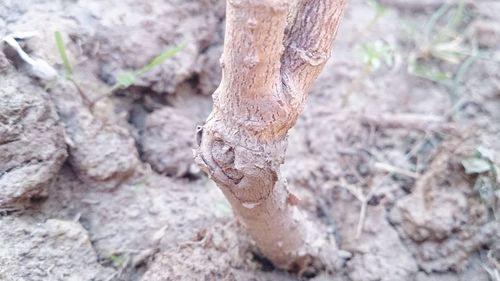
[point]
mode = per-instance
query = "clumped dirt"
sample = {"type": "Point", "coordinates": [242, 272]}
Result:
{"type": "Point", "coordinates": [32, 145]}
{"type": "Point", "coordinates": [49, 250]}
{"type": "Point", "coordinates": [174, 158]}
{"type": "Point", "coordinates": [100, 186]}
{"type": "Point", "coordinates": [442, 220]}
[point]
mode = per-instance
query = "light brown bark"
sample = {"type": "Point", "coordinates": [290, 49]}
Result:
{"type": "Point", "coordinates": [273, 52]}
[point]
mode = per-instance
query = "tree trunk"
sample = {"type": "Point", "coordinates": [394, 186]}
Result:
{"type": "Point", "coordinates": [273, 52]}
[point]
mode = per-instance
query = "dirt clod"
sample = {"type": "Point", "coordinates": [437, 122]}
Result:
{"type": "Point", "coordinates": [32, 145]}
{"type": "Point", "coordinates": [223, 253]}
{"type": "Point", "coordinates": [152, 28]}
{"type": "Point", "coordinates": [442, 223]}
{"type": "Point", "coordinates": [167, 157]}
{"type": "Point", "coordinates": [90, 153]}
{"type": "Point", "coordinates": [27, 246]}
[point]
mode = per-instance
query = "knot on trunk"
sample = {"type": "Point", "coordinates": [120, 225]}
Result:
{"type": "Point", "coordinates": [223, 156]}
{"type": "Point", "coordinates": [248, 174]}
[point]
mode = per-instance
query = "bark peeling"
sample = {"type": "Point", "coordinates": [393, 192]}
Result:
{"type": "Point", "coordinates": [273, 52]}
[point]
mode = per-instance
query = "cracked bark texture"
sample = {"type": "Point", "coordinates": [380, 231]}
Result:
{"type": "Point", "coordinates": [273, 52]}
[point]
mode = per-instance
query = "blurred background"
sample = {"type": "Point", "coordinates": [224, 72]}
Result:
{"type": "Point", "coordinates": [396, 151]}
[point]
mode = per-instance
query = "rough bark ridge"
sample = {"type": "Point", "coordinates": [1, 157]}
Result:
{"type": "Point", "coordinates": [273, 52]}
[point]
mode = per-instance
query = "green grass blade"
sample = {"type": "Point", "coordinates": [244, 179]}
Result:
{"type": "Point", "coordinates": [458, 16]}
{"type": "Point", "coordinates": [127, 79]}
{"type": "Point", "coordinates": [68, 70]}
{"type": "Point", "coordinates": [160, 59]}
{"type": "Point", "coordinates": [461, 74]}
{"type": "Point", "coordinates": [429, 27]}
{"type": "Point", "coordinates": [379, 9]}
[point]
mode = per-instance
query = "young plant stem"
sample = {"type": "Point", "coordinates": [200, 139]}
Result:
{"type": "Point", "coordinates": [273, 52]}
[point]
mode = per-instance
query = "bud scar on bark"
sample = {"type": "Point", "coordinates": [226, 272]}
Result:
{"type": "Point", "coordinates": [273, 52]}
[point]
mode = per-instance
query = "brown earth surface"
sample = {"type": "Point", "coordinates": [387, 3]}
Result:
{"type": "Point", "coordinates": [99, 186]}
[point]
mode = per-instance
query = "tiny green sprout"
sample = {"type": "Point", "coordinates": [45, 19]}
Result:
{"type": "Point", "coordinates": [482, 163]}
{"type": "Point", "coordinates": [430, 73]}
{"type": "Point", "coordinates": [485, 187]}
{"type": "Point", "coordinates": [375, 53]}
{"type": "Point", "coordinates": [476, 165]}
{"type": "Point", "coordinates": [379, 12]}
{"type": "Point", "coordinates": [127, 79]}
{"type": "Point", "coordinates": [68, 70]}
{"type": "Point", "coordinates": [442, 53]}
{"type": "Point", "coordinates": [160, 59]}
{"type": "Point", "coordinates": [141, 183]}
{"type": "Point", "coordinates": [432, 22]}
{"type": "Point", "coordinates": [443, 42]}
{"type": "Point", "coordinates": [485, 152]}
{"type": "Point", "coordinates": [379, 9]}
{"type": "Point", "coordinates": [457, 16]}
{"type": "Point", "coordinates": [117, 260]}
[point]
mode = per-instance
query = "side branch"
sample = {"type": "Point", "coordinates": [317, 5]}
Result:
{"type": "Point", "coordinates": [309, 40]}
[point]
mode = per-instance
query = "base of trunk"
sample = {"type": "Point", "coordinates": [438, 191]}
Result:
{"type": "Point", "coordinates": [249, 178]}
